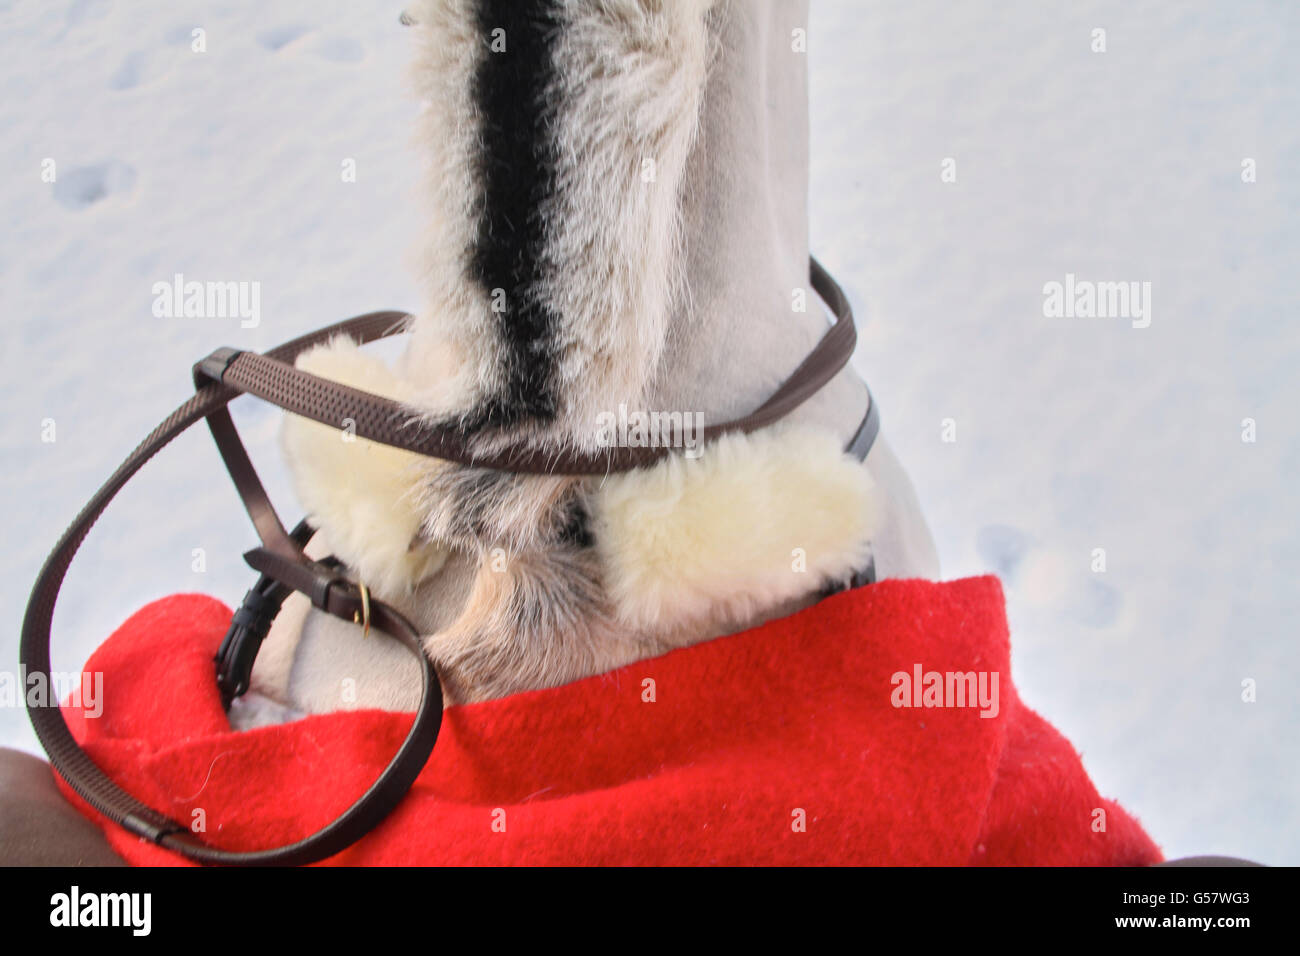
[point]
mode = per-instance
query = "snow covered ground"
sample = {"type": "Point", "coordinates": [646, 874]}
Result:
{"type": "Point", "coordinates": [1071, 434]}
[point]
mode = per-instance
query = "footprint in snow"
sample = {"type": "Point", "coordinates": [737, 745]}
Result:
{"type": "Point", "coordinates": [1003, 548]}
{"type": "Point", "coordinates": [277, 38]}
{"type": "Point", "coordinates": [86, 185]}
{"type": "Point", "coordinates": [135, 69]}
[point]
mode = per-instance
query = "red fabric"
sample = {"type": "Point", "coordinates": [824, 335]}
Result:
{"type": "Point", "coordinates": [744, 732]}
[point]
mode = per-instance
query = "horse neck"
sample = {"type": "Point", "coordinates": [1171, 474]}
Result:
{"type": "Point", "coordinates": [748, 315]}
{"type": "Point", "coordinates": [691, 294]}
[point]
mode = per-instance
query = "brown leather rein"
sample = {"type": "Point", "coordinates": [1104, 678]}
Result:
{"type": "Point", "coordinates": [285, 567]}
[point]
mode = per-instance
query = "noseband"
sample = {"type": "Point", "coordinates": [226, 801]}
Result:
{"type": "Point", "coordinates": [285, 567]}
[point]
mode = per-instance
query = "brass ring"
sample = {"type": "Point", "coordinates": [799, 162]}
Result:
{"type": "Point", "coordinates": [363, 618]}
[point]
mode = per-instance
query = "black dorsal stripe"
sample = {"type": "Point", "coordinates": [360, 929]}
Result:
{"type": "Point", "coordinates": [517, 166]}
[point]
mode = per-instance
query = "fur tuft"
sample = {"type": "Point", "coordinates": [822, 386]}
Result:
{"type": "Point", "coordinates": [556, 135]}
{"type": "Point", "coordinates": [535, 619]}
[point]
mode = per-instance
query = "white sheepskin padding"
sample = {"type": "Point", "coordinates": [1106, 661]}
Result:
{"type": "Point", "coordinates": [756, 521]}
{"type": "Point", "coordinates": [359, 493]}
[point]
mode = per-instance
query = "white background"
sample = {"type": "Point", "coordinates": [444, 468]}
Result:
{"type": "Point", "coordinates": [1072, 434]}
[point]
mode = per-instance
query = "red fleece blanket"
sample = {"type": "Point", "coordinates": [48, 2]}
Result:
{"type": "Point", "coordinates": [878, 727]}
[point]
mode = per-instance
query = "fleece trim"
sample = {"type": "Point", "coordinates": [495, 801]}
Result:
{"type": "Point", "coordinates": [360, 494]}
{"type": "Point", "coordinates": [755, 521]}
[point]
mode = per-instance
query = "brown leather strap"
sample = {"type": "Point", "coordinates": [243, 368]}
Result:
{"type": "Point", "coordinates": [273, 378]}
{"type": "Point", "coordinates": [336, 595]}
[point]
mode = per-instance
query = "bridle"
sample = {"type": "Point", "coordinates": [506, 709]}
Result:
{"type": "Point", "coordinates": [284, 566]}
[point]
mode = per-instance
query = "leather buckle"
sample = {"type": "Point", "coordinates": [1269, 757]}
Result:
{"type": "Point", "coordinates": [248, 629]}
